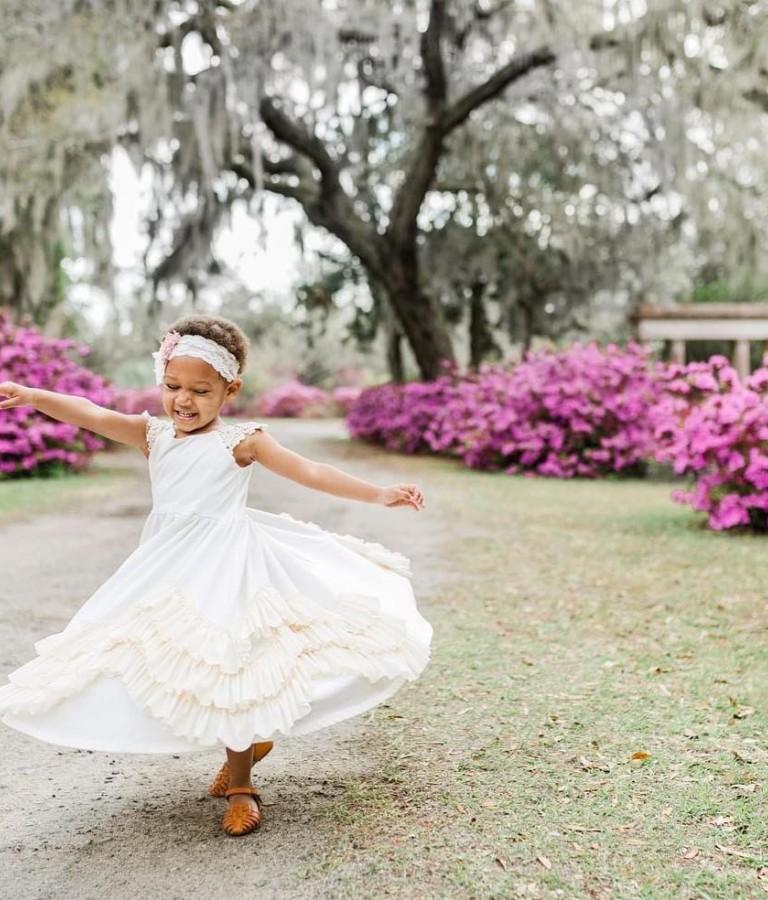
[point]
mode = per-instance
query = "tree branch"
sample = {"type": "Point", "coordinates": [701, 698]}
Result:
{"type": "Point", "coordinates": [429, 148]}
{"type": "Point", "coordinates": [301, 192]}
{"type": "Point", "coordinates": [758, 96]}
{"type": "Point", "coordinates": [301, 140]}
{"type": "Point", "coordinates": [294, 192]}
{"type": "Point", "coordinates": [458, 112]}
{"type": "Point", "coordinates": [325, 202]}
{"type": "Point", "coordinates": [286, 165]}
{"type": "Point", "coordinates": [437, 89]}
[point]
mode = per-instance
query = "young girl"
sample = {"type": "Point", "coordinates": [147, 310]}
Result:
{"type": "Point", "coordinates": [227, 626]}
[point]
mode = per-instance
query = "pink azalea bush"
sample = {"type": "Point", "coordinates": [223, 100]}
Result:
{"type": "Point", "coordinates": [344, 398]}
{"type": "Point", "coordinates": [710, 425]}
{"type": "Point", "coordinates": [293, 399]}
{"type": "Point", "coordinates": [399, 416]}
{"type": "Point", "coordinates": [135, 401]}
{"type": "Point", "coordinates": [31, 443]}
{"type": "Point", "coordinates": [576, 412]}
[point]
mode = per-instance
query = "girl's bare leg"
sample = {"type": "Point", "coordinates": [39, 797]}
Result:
{"type": "Point", "coordinates": [220, 783]}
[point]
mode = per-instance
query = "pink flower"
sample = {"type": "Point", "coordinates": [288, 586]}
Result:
{"type": "Point", "coordinates": [162, 355]}
{"type": "Point", "coordinates": [167, 345]}
{"type": "Point", "coordinates": [31, 443]}
{"type": "Point", "coordinates": [581, 412]}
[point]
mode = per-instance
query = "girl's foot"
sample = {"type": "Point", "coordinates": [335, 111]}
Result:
{"type": "Point", "coordinates": [243, 814]}
{"type": "Point", "coordinates": [220, 783]}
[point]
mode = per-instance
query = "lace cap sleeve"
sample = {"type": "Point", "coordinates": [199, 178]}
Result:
{"type": "Point", "coordinates": [155, 427]}
{"type": "Point", "coordinates": [232, 435]}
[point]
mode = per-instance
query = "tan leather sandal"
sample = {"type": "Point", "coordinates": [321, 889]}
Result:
{"type": "Point", "coordinates": [242, 818]}
{"type": "Point", "coordinates": [220, 783]}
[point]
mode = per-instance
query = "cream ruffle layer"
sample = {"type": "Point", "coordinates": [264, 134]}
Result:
{"type": "Point", "coordinates": [376, 553]}
{"type": "Point", "coordinates": [211, 685]}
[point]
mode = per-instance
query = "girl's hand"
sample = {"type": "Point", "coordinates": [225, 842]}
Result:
{"type": "Point", "coordinates": [15, 394]}
{"type": "Point", "coordinates": [403, 495]}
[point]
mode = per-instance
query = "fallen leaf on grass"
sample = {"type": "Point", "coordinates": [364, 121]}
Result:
{"type": "Point", "coordinates": [691, 854]}
{"type": "Point", "coordinates": [721, 822]}
{"type": "Point", "coordinates": [732, 851]}
{"type": "Point", "coordinates": [594, 785]}
{"type": "Point", "coordinates": [503, 862]}
{"type": "Point", "coordinates": [745, 788]}
{"type": "Point", "coordinates": [545, 862]}
{"type": "Point", "coordinates": [587, 765]}
{"type": "Point", "coordinates": [639, 758]}
{"type": "Point", "coordinates": [743, 711]}
{"type": "Point", "coordinates": [740, 757]}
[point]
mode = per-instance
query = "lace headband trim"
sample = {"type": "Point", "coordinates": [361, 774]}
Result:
{"type": "Point", "coordinates": [175, 344]}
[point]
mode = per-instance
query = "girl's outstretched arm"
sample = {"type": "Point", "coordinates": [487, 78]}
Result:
{"type": "Point", "coordinates": [77, 411]}
{"type": "Point", "coordinates": [263, 448]}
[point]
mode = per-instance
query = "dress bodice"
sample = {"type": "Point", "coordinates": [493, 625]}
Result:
{"type": "Point", "coordinates": [198, 474]}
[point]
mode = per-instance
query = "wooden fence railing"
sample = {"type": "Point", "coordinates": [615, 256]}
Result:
{"type": "Point", "coordinates": [739, 323]}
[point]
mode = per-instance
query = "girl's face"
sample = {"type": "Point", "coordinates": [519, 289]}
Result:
{"type": "Point", "coordinates": [193, 394]}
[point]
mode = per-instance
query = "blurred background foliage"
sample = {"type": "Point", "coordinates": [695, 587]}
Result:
{"type": "Point", "coordinates": [462, 179]}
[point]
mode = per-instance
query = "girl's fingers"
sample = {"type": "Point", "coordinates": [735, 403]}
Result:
{"type": "Point", "coordinates": [413, 496]}
{"type": "Point", "coordinates": [10, 392]}
{"type": "Point", "coordinates": [406, 495]}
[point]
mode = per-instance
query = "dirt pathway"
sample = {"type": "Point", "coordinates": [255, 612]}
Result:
{"type": "Point", "coordinates": [76, 824]}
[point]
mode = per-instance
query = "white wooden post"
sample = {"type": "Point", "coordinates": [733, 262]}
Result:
{"type": "Point", "coordinates": [678, 352]}
{"type": "Point", "coordinates": [741, 361]}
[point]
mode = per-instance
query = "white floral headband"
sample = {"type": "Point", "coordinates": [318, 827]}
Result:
{"type": "Point", "coordinates": [175, 344]}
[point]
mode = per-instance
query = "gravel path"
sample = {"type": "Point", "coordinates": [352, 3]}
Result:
{"type": "Point", "coordinates": [77, 824]}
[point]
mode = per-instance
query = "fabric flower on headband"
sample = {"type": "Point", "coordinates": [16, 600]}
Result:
{"type": "Point", "coordinates": [162, 355]}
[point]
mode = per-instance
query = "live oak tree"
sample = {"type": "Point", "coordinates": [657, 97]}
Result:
{"type": "Point", "coordinates": [372, 115]}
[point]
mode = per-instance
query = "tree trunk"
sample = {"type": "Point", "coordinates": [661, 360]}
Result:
{"type": "Point", "coordinates": [525, 326]}
{"type": "Point", "coordinates": [395, 355]}
{"type": "Point", "coordinates": [393, 333]}
{"type": "Point", "coordinates": [481, 343]}
{"type": "Point", "coordinates": [419, 315]}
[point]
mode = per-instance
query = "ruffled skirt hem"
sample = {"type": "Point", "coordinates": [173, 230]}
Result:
{"type": "Point", "coordinates": [291, 667]}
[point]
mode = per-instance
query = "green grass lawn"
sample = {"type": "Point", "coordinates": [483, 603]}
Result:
{"type": "Point", "coordinates": [22, 497]}
{"type": "Point", "coordinates": [594, 720]}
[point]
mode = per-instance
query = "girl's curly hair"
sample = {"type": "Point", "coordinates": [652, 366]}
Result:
{"type": "Point", "coordinates": [219, 330]}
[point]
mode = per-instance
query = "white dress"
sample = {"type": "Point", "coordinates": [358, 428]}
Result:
{"type": "Point", "coordinates": [225, 626]}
